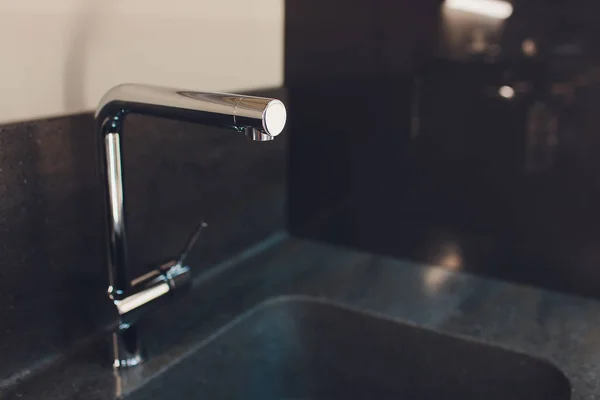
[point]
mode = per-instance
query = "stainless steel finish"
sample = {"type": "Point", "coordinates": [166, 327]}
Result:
{"type": "Point", "coordinates": [117, 277]}
{"type": "Point", "coordinates": [147, 289]}
{"type": "Point", "coordinates": [261, 119]}
{"type": "Point", "coordinates": [216, 109]}
{"type": "Point", "coordinates": [191, 242]}
{"type": "Point", "coordinates": [137, 300]}
{"type": "Point", "coordinates": [256, 135]}
{"type": "Point", "coordinates": [127, 349]}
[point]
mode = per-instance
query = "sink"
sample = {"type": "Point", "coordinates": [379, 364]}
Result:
{"type": "Point", "coordinates": [303, 348]}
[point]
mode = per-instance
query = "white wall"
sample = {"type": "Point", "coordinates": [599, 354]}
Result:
{"type": "Point", "coordinates": [60, 56]}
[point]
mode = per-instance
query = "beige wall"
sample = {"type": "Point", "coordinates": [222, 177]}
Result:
{"type": "Point", "coordinates": [60, 56]}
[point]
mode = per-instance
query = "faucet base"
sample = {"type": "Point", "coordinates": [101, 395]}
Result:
{"type": "Point", "coordinates": [127, 349]}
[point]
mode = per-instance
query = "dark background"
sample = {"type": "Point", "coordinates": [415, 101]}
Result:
{"type": "Point", "coordinates": [401, 145]}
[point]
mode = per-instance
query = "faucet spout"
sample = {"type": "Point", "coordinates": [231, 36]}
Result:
{"type": "Point", "coordinates": [260, 118]}
{"type": "Point", "coordinates": [239, 112]}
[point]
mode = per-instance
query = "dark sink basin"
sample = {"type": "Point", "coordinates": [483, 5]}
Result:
{"type": "Point", "coordinates": [301, 348]}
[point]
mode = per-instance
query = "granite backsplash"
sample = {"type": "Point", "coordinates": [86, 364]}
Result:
{"type": "Point", "coordinates": [52, 245]}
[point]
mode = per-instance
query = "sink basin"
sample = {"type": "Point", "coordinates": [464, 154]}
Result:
{"type": "Point", "coordinates": [303, 348]}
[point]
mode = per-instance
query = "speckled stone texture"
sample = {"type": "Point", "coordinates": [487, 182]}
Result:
{"type": "Point", "coordinates": [558, 328]}
{"type": "Point", "coordinates": [297, 347]}
{"type": "Point", "coordinates": [52, 245]}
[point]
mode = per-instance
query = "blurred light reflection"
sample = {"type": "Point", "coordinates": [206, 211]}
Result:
{"type": "Point", "coordinates": [529, 47]}
{"type": "Point", "coordinates": [507, 92]}
{"type": "Point", "coordinates": [451, 260]}
{"type": "Point", "coordinates": [496, 9]}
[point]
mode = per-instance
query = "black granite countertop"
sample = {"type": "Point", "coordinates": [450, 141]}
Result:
{"type": "Point", "coordinates": [560, 328]}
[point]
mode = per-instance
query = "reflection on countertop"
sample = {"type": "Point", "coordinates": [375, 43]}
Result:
{"type": "Point", "coordinates": [560, 328]}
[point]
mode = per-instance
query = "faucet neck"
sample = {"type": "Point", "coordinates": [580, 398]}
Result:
{"type": "Point", "coordinates": [260, 118]}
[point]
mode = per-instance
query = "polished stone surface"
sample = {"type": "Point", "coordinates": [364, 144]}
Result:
{"type": "Point", "coordinates": [560, 328]}
{"type": "Point", "coordinates": [300, 347]}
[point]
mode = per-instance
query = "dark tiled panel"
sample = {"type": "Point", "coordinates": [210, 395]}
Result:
{"type": "Point", "coordinates": [335, 39]}
{"type": "Point", "coordinates": [421, 158]}
{"type": "Point", "coordinates": [52, 248]}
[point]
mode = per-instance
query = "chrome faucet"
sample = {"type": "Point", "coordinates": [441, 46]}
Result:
{"type": "Point", "coordinates": [261, 119]}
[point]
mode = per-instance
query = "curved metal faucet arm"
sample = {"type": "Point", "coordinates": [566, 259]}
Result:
{"type": "Point", "coordinates": [260, 118]}
{"type": "Point", "coordinates": [213, 109]}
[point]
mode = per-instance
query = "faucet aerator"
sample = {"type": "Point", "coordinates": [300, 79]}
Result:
{"type": "Point", "coordinates": [257, 135]}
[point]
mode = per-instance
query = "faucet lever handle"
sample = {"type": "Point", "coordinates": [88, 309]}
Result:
{"type": "Point", "coordinates": [191, 242]}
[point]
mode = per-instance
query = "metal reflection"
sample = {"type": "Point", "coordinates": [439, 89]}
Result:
{"type": "Point", "coordinates": [261, 118]}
